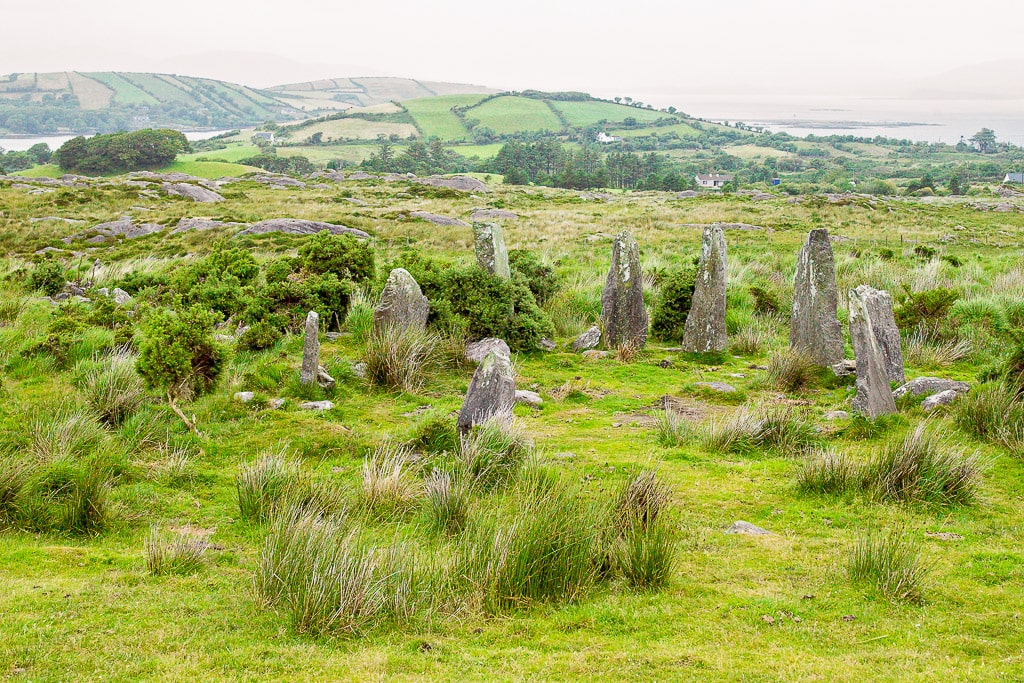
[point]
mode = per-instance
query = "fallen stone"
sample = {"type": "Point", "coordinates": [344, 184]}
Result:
{"type": "Point", "coordinates": [437, 219]}
{"type": "Point", "coordinates": [720, 387]}
{"type": "Point", "coordinates": [317, 405]}
{"type": "Point", "coordinates": [943, 398]}
{"type": "Point", "coordinates": [704, 330]}
{"type": "Point", "coordinates": [530, 398]}
{"type": "Point", "coordinates": [623, 314]}
{"type": "Point", "coordinates": [546, 344]}
{"type": "Point", "coordinates": [324, 380]}
{"type": "Point", "coordinates": [595, 354]}
{"type": "Point", "coordinates": [747, 528]}
{"type": "Point", "coordinates": [120, 296]}
{"type": "Point", "coordinates": [298, 226]}
{"type": "Point", "coordinates": [492, 391]}
{"type": "Point", "coordinates": [311, 350]}
{"type": "Point", "coordinates": [55, 218]}
{"type": "Point", "coordinates": [874, 396]}
{"type": "Point", "coordinates": [919, 386]}
{"type": "Point", "coordinates": [402, 305]}
{"type": "Point", "coordinates": [489, 244]}
{"type": "Point", "coordinates": [837, 415]}
{"type": "Point", "coordinates": [588, 340]}
{"type": "Point", "coordinates": [492, 214]}
{"type": "Point", "coordinates": [359, 370]}
{"type": "Point", "coordinates": [814, 326]}
{"type": "Point", "coordinates": [844, 368]}
{"type": "Point", "coordinates": [193, 192]}
{"type": "Point", "coordinates": [478, 350]}
{"type": "Point", "coordinates": [244, 396]}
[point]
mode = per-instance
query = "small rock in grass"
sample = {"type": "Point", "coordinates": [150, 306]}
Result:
{"type": "Point", "coordinates": [323, 379]}
{"type": "Point", "coordinates": [666, 364]}
{"type": "Point", "coordinates": [720, 387]}
{"type": "Point", "coordinates": [741, 527]}
{"type": "Point", "coordinates": [844, 368]}
{"type": "Point", "coordinates": [837, 415]}
{"type": "Point", "coordinates": [546, 344]}
{"type": "Point", "coordinates": [244, 396]}
{"type": "Point", "coordinates": [359, 370]}
{"type": "Point", "coordinates": [120, 296]}
{"type": "Point", "coordinates": [530, 398]}
{"type": "Point", "coordinates": [276, 403]}
{"type": "Point", "coordinates": [943, 535]}
{"type": "Point", "coordinates": [595, 354]}
{"type": "Point", "coordinates": [317, 405]}
{"type": "Point", "coordinates": [943, 398]}
{"type": "Point", "coordinates": [930, 385]}
{"type": "Point", "coordinates": [588, 340]}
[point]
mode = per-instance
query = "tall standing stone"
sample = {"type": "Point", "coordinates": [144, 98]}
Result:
{"type": "Point", "coordinates": [705, 324]}
{"type": "Point", "coordinates": [489, 243]}
{"type": "Point", "coordinates": [814, 327]}
{"type": "Point", "coordinates": [311, 350]}
{"type": "Point", "coordinates": [887, 335]}
{"type": "Point", "coordinates": [492, 391]}
{"type": "Point", "coordinates": [874, 396]}
{"type": "Point", "coordinates": [622, 301]}
{"type": "Point", "coordinates": [402, 304]}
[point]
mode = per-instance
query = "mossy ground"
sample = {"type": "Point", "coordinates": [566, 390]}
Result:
{"type": "Point", "coordinates": [738, 608]}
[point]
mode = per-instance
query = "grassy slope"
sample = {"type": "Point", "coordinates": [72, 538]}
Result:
{"type": "Point", "coordinates": [87, 605]}
{"type": "Point", "coordinates": [583, 114]}
{"type": "Point", "coordinates": [434, 117]}
{"type": "Point", "coordinates": [505, 115]}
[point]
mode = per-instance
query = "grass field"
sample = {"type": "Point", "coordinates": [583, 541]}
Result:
{"type": "Point", "coordinates": [323, 153]}
{"type": "Point", "coordinates": [44, 171]}
{"type": "Point", "coordinates": [209, 169]}
{"type": "Point", "coordinates": [352, 129]}
{"type": "Point", "coordinates": [124, 92]}
{"type": "Point", "coordinates": [233, 152]}
{"type": "Point", "coordinates": [506, 115]}
{"type": "Point", "coordinates": [735, 608]}
{"type": "Point", "coordinates": [681, 129]}
{"type": "Point", "coordinates": [755, 151]}
{"type": "Point", "coordinates": [434, 117]}
{"type": "Point", "coordinates": [584, 114]}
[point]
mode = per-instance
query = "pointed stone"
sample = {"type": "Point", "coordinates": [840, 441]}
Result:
{"type": "Point", "coordinates": [311, 350]}
{"type": "Point", "coordinates": [492, 391]}
{"type": "Point", "coordinates": [874, 396]}
{"type": "Point", "coordinates": [588, 340]}
{"type": "Point", "coordinates": [814, 326]}
{"type": "Point", "coordinates": [883, 322]}
{"type": "Point", "coordinates": [705, 324]}
{"type": "Point", "coordinates": [402, 304]}
{"type": "Point", "coordinates": [622, 301]}
{"type": "Point", "coordinates": [489, 243]}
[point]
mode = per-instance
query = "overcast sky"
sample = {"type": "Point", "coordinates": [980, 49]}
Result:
{"type": "Point", "coordinates": [604, 47]}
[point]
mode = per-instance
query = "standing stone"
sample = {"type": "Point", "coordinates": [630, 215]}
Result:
{"type": "Point", "coordinates": [705, 324]}
{"type": "Point", "coordinates": [402, 304]}
{"type": "Point", "coordinates": [622, 301]}
{"type": "Point", "coordinates": [883, 322]}
{"type": "Point", "coordinates": [874, 397]}
{"type": "Point", "coordinates": [489, 242]}
{"type": "Point", "coordinates": [311, 350]}
{"type": "Point", "coordinates": [492, 391]}
{"type": "Point", "coordinates": [814, 327]}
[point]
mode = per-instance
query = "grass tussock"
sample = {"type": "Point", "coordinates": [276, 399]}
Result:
{"type": "Point", "coordinates": [644, 544]}
{"type": "Point", "coordinates": [782, 429]}
{"type": "Point", "coordinates": [792, 371]}
{"type": "Point", "coordinates": [628, 352]}
{"type": "Point", "coordinates": [11, 309]}
{"type": "Point", "coordinates": [446, 503]}
{"type": "Point", "coordinates": [388, 484]}
{"type": "Point", "coordinates": [492, 453]}
{"type": "Point", "coordinates": [993, 413]}
{"type": "Point", "coordinates": [922, 351]}
{"type": "Point", "coordinates": [923, 468]}
{"type": "Point", "coordinates": [826, 471]}
{"type": "Point", "coordinates": [114, 391]}
{"type": "Point", "coordinates": [63, 495]}
{"type": "Point", "coordinates": [264, 484]}
{"type": "Point", "coordinates": [749, 340]}
{"type": "Point", "coordinates": [400, 358]}
{"type": "Point", "coordinates": [180, 554]}
{"type": "Point", "coordinates": [892, 564]}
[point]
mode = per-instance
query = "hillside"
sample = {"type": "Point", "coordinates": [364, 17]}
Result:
{"type": "Point", "coordinates": [338, 94]}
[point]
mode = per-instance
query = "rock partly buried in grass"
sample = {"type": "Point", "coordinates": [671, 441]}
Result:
{"type": "Point", "coordinates": [588, 340]}
{"type": "Point", "coordinates": [492, 391]}
{"type": "Point", "coordinates": [193, 192]}
{"type": "Point", "coordinates": [276, 403]}
{"type": "Point", "coordinates": [595, 354]}
{"type": "Point", "coordinates": [478, 350]}
{"type": "Point", "coordinates": [741, 527]}
{"type": "Point", "coordinates": [489, 244]}
{"type": "Point", "coordinates": [461, 183]}
{"type": "Point", "coordinates": [109, 232]}
{"type": "Point", "coordinates": [201, 225]}
{"type": "Point", "coordinates": [834, 415]}
{"type": "Point", "coordinates": [275, 182]}
{"type": "Point", "coordinates": [704, 330]}
{"type": "Point", "coordinates": [814, 326]}
{"type": "Point", "coordinates": [402, 304]}
{"type": "Point", "coordinates": [545, 344]}
{"type": "Point", "coordinates": [943, 398]}
{"type": "Point", "coordinates": [299, 226]}
{"type": "Point", "coordinates": [311, 350]}
{"type": "Point", "coordinates": [874, 396]}
{"type": "Point", "coordinates": [120, 297]}
{"type": "Point", "coordinates": [919, 386]}
{"type": "Point", "coordinates": [845, 368]}
{"type": "Point", "coordinates": [244, 396]}
{"type": "Point", "coordinates": [718, 387]}
{"type": "Point", "coordinates": [437, 219]}
{"type": "Point", "coordinates": [493, 214]}
{"type": "Point", "coordinates": [317, 405]}
{"type": "Point", "coordinates": [623, 313]}
{"type": "Point", "coordinates": [530, 398]}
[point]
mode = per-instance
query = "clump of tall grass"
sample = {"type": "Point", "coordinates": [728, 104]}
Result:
{"type": "Point", "coordinates": [923, 468]}
{"type": "Point", "coordinates": [180, 554]}
{"type": "Point", "coordinates": [63, 495]}
{"type": "Point", "coordinates": [446, 503]}
{"type": "Point", "coordinates": [792, 371]}
{"type": "Point", "coordinates": [749, 340]}
{"type": "Point", "coordinates": [11, 308]}
{"type": "Point", "coordinates": [400, 357]}
{"type": "Point", "coordinates": [574, 306]}
{"type": "Point", "coordinates": [388, 485]}
{"type": "Point", "coordinates": [993, 413]}
{"type": "Point", "coordinates": [329, 579]}
{"type": "Point", "coordinates": [628, 352]}
{"type": "Point", "coordinates": [65, 434]}
{"type": "Point", "coordinates": [264, 484]}
{"type": "Point", "coordinates": [827, 471]}
{"type": "Point", "coordinates": [644, 543]}
{"type": "Point", "coordinates": [778, 428]}
{"type": "Point", "coordinates": [492, 452]}
{"type": "Point", "coordinates": [892, 564]}
{"type": "Point", "coordinates": [921, 350]}
{"type": "Point", "coordinates": [175, 467]}
{"type": "Point", "coordinates": [543, 546]}
{"type": "Point", "coordinates": [114, 391]}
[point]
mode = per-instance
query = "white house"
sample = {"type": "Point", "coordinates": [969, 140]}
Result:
{"type": "Point", "coordinates": [1014, 178]}
{"type": "Point", "coordinates": [604, 137]}
{"type": "Point", "coordinates": [267, 137]}
{"type": "Point", "coordinates": [713, 180]}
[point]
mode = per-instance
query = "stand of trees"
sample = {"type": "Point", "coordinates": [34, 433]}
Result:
{"type": "Point", "coordinates": [119, 152]}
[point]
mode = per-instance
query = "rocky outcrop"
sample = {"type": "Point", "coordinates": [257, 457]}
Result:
{"type": "Point", "coordinates": [462, 183]}
{"type": "Point", "coordinates": [402, 304]}
{"type": "Point", "coordinates": [489, 244]}
{"type": "Point", "coordinates": [299, 226]}
{"type": "Point", "coordinates": [193, 192]}
{"type": "Point", "coordinates": [814, 326]}
{"type": "Point", "coordinates": [873, 397]}
{"type": "Point", "coordinates": [202, 224]}
{"type": "Point", "coordinates": [704, 330]}
{"type": "Point", "coordinates": [492, 214]}
{"type": "Point", "coordinates": [437, 219]}
{"type": "Point", "coordinates": [623, 315]}
{"type": "Point", "coordinates": [492, 391]}
{"type": "Point", "coordinates": [109, 232]}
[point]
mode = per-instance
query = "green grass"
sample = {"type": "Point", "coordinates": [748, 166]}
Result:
{"type": "Point", "coordinates": [683, 130]}
{"type": "Point", "coordinates": [510, 114]}
{"type": "Point", "coordinates": [208, 169]}
{"type": "Point", "coordinates": [586, 114]}
{"type": "Point", "coordinates": [434, 117]}
{"type": "Point", "coordinates": [481, 151]}
{"type": "Point", "coordinates": [43, 171]}
{"type": "Point", "coordinates": [231, 153]}
{"type": "Point", "coordinates": [124, 91]}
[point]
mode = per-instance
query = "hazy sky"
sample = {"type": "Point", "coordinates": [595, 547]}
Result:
{"type": "Point", "coordinates": [597, 45]}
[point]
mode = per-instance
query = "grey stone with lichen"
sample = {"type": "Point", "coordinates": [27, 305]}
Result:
{"type": "Point", "coordinates": [492, 391]}
{"type": "Point", "coordinates": [874, 396]}
{"type": "Point", "coordinates": [623, 314]}
{"type": "Point", "coordinates": [402, 304]}
{"type": "Point", "coordinates": [489, 244]}
{"type": "Point", "coordinates": [704, 330]}
{"type": "Point", "coordinates": [814, 326]}
{"type": "Point", "coordinates": [311, 350]}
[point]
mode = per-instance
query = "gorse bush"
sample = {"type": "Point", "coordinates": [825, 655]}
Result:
{"type": "Point", "coordinates": [400, 357]}
{"type": "Point", "coordinates": [673, 304]}
{"type": "Point", "coordinates": [181, 554]}
{"type": "Point", "coordinates": [923, 468]}
{"type": "Point", "coordinates": [260, 336]}
{"type": "Point", "coordinates": [537, 276]}
{"type": "Point", "coordinates": [890, 563]}
{"type": "Point", "coordinates": [48, 277]}
{"type": "Point", "coordinates": [926, 310]}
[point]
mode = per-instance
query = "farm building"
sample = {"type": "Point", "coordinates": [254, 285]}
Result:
{"type": "Point", "coordinates": [713, 180]}
{"type": "Point", "coordinates": [1014, 178]}
{"type": "Point", "coordinates": [267, 137]}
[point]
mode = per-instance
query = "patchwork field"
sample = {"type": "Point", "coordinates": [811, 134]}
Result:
{"type": "Point", "coordinates": [89, 595]}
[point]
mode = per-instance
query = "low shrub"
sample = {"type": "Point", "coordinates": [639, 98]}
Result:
{"type": "Point", "coordinates": [926, 310]}
{"type": "Point", "coordinates": [766, 301]}
{"type": "Point", "coordinates": [435, 433]}
{"type": "Point", "coordinates": [48, 277]}
{"type": "Point", "coordinates": [539, 277]}
{"type": "Point", "coordinates": [892, 564]}
{"type": "Point", "coordinates": [673, 304]}
{"type": "Point", "coordinates": [260, 336]}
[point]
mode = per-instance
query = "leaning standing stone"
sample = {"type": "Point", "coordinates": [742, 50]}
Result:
{"type": "Point", "coordinates": [622, 301]}
{"type": "Point", "coordinates": [814, 327]}
{"type": "Point", "coordinates": [489, 243]}
{"type": "Point", "coordinates": [492, 391]}
{"type": "Point", "coordinates": [402, 304]}
{"type": "Point", "coordinates": [874, 397]}
{"type": "Point", "coordinates": [311, 350]}
{"type": "Point", "coordinates": [705, 324]}
{"type": "Point", "coordinates": [883, 322]}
